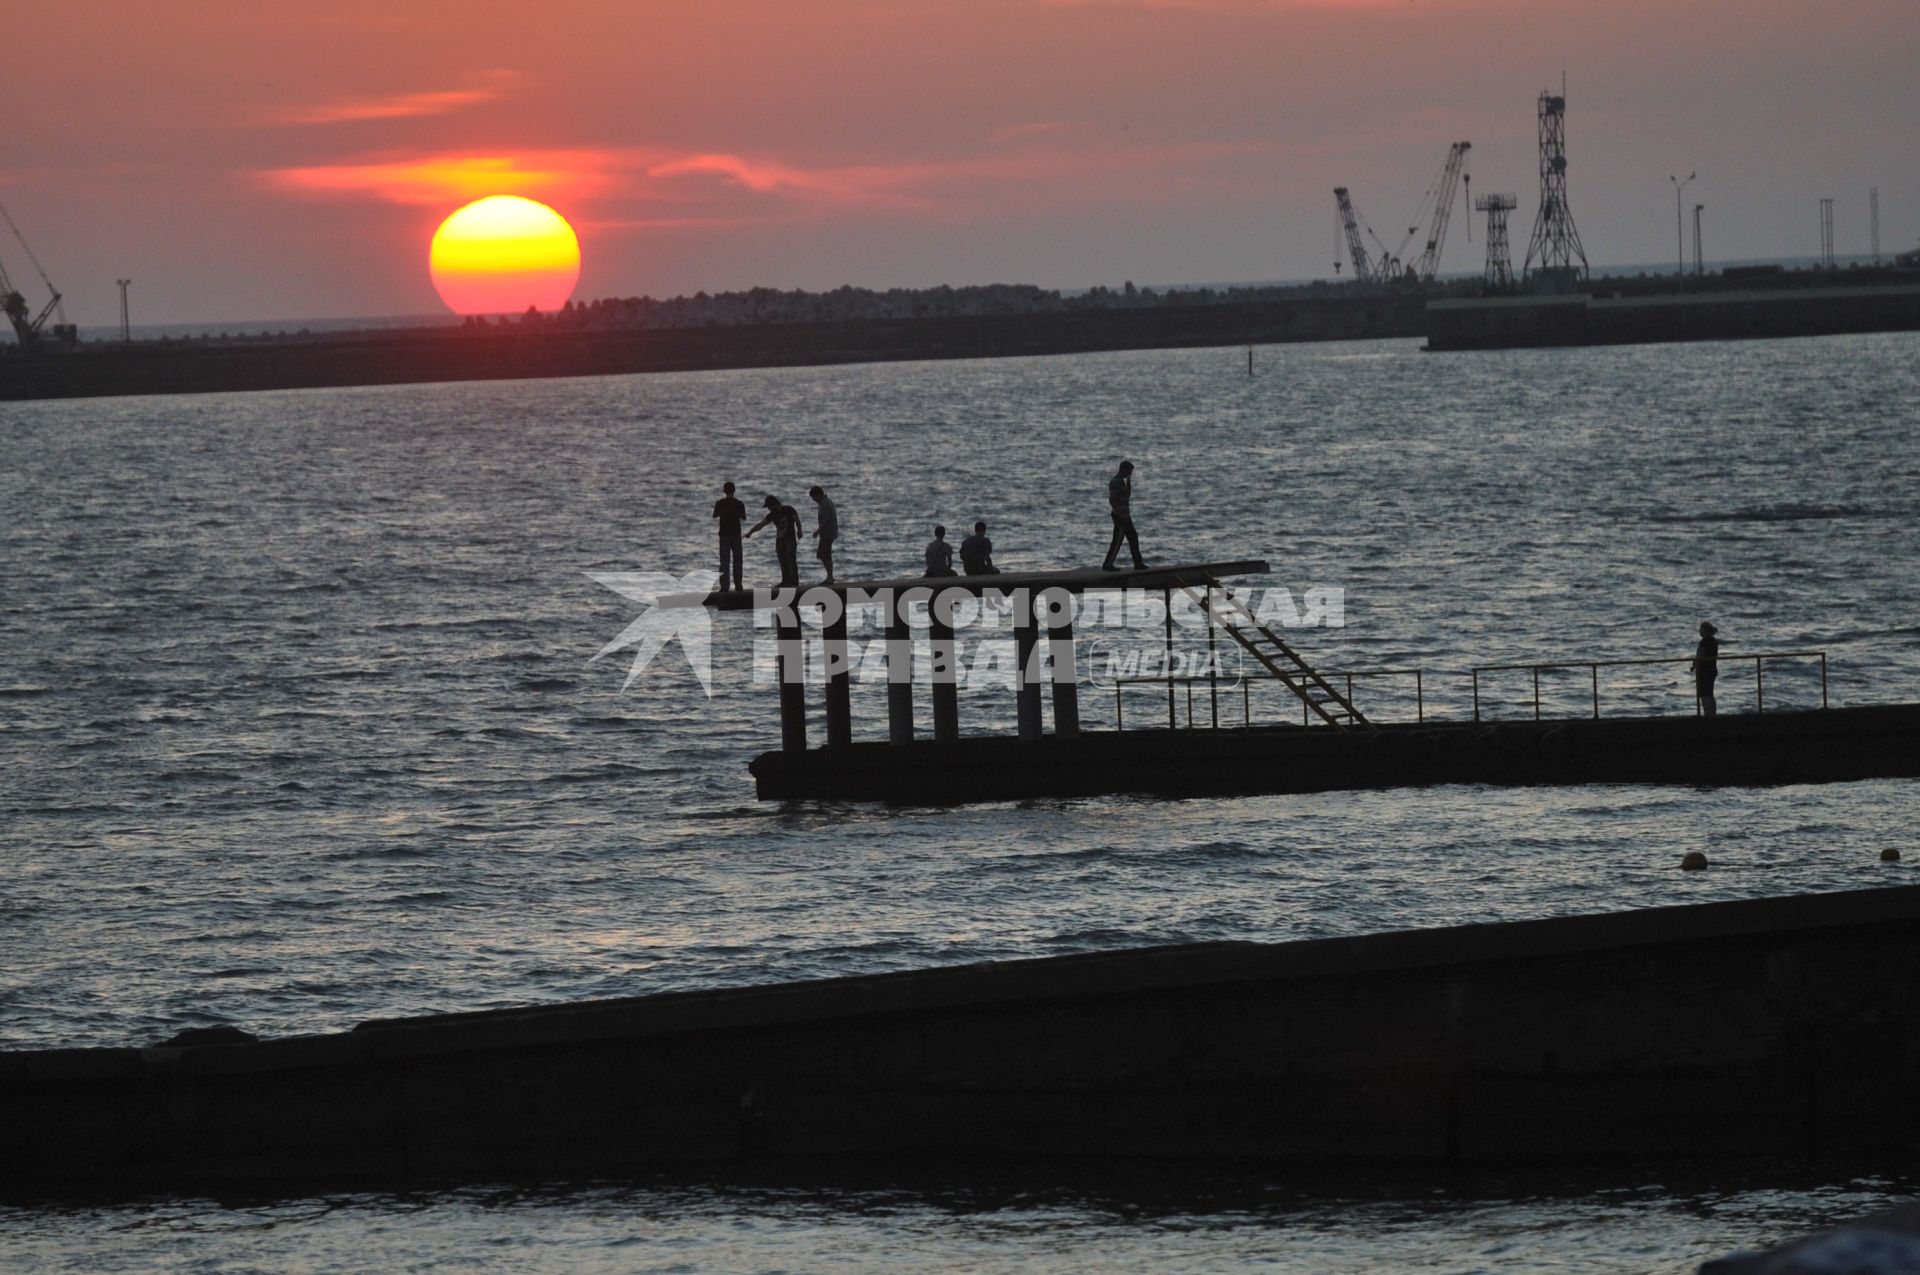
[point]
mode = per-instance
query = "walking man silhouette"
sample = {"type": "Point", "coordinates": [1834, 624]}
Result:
{"type": "Point", "coordinates": [1120, 504]}
{"type": "Point", "coordinates": [786, 539]}
{"type": "Point", "coordinates": [731, 512]}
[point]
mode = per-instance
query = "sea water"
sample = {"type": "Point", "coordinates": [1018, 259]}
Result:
{"type": "Point", "coordinates": [300, 726]}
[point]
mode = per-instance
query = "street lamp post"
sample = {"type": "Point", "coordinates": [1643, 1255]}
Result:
{"type": "Point", "coordinates": [1679, 225]}
{"type": "Point", "coordinates": [1698, 267]}
{"type": "Point", "coordinates": [126, 332]}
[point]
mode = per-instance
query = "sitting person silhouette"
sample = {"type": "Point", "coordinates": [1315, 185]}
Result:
{"type": "Point", "coordinates": [939, 554]}
{"type": "Point", "coordinates": [976, 553]}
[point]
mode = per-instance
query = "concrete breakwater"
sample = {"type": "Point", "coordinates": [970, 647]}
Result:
{"type": "Point", "coordinates": [1806, 746]}
{"type": "Point", "coordinates": [1621, 318]}
{"type": "Point", "coordinates": [454, 354]}
{"type": "Point", "coordinates": [1768, 1026]}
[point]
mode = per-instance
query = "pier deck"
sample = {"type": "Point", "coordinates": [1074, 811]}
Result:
{"type": "Point", "coordinates": [1810, 746]}
{"type": "Point", "coordinates": [1340, 749]}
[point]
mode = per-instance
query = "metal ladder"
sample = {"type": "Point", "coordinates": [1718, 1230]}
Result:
{"type": "Point", "coordinates": [1280, 659]}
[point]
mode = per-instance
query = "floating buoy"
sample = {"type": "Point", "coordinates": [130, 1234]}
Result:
{"type": "Point", "coordinates": [1693, 862]}
{"type": "Point", "coordinates": [1890, 855]}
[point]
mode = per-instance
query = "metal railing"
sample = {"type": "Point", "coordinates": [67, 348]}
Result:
{"type": "Point", "coordinates": [1419, 686]}
{"type": "Point", "coordinates": [1246, 692]}
{"type": "Point", "coordinates": [1246, 697]}
{"type": "Point", "coordinates": [1594, 666]}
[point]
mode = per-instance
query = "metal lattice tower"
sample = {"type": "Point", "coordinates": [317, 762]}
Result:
{"type": "Point", "coordinates": [1554, 256]}
{"type": "Point", "coordinates": [1499, 258]}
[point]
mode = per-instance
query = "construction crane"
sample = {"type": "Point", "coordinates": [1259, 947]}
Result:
{"type": "Point", "coordinates": [1363, 268]}
{"type": "Point", "coordinates": [26, 324]}
{"type": "Point", "coordinates": [1389, 267]}
{"type": "Point", "coordinates": [1447, 183]}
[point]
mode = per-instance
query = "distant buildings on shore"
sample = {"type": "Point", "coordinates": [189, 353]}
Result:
{"type": "Point", "coordinates": [770, 305]}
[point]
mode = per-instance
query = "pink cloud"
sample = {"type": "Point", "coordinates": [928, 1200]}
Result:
{"type": "Point", "coordinates": [436, 179]}
{"type": "Point", "coordinates": [761, 177]}
{"type": "Point", "coordinates": [396, 106]}
{"type": "Point", "coordinates": [1033, 165]}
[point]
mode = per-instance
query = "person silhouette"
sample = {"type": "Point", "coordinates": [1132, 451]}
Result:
{"type": "Point", "coordinates": [786, 539]}
{"type": "Point", "coordinates": [731, 512]}
{"type": "Point", "coordinates": [1706, 667]}
{"type": "Point", "coordinates": [939, 554]}
{"type": "Point", "coordinates": [826, 528]}
{"type": "Point", "coordinates": [1120, 505]}
{"type": "Point", "coordinates": [976, 553]}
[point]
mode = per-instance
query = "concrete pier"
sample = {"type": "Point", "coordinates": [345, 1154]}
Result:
{"type": "Point", "coordinates": [1812, 746]}
{"type": "Point", "coordinates": [1042, 601]}
{"type": "Point", "coordinates": [1716, 314]}
{"type": "Point", "coordinates": [1781, 1026]}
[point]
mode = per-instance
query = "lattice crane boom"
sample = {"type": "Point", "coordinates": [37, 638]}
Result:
{"type": "Point", "coordinates": [1429, 263]}
{"type": "Point", "coordinates": [1363, 268]}
{"type": "Point", "coordinates": [26, 324]}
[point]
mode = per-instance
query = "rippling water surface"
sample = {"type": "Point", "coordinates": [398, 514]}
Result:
{"type": "Point", "coordinates": [298, 726]}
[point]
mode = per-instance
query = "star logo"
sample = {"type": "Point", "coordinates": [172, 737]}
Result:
{"type": "Point", "coordinates": [649, 634]}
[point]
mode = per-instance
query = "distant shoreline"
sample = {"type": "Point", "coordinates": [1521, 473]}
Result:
{"type": "Point", "coordinates": [768, 329]}
{"type": "Point", "coordinates": [509, 352]}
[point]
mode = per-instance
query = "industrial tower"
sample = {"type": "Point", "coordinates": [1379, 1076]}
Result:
{"type": "Point", "coordinates": [1555, 259]}
{"type": "Point", "coordinates": [1499, 259]}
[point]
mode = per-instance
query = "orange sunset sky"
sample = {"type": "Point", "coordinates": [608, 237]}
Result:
{"type": "Point", "coordinates": [252, 159]}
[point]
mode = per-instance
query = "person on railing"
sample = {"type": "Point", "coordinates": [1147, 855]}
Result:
{"type": "Point", "coordinates": [1706, 667]}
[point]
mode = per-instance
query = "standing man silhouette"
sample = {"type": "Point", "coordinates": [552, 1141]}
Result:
{"type": "Point", "coordinates": [1120, 504]}
{"type": "Point", "coordinates": [731, 513]}
{"type": "Point", "coordinates": [826, 529]}
{"type": "Point", "coordinates": [786, 539]}
{"type": "Point", "coordinates": [1706, 667]}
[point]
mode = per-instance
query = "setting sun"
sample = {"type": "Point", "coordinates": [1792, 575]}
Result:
{"type": "Point", "coordinates": [501, 254]}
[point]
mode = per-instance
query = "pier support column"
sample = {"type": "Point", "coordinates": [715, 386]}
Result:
{"type": "Point", "coordinates": [1172, 721]}
{"type": "Point", "coordinates": [1213, 663]}
{"type": "Point", "coordinates": [1026, 647]}
{"type": "Point", "coordinates": [1066, 688]}
{"type": "Point", "coordinates": [946, 675]}
{"type": "Point", "coordinates": [1056, 612]}
{"type": "Point", "coordinates": [792, 662]}
{"type": "Point", "coordinates": [839, 688]}
{"type": "Point", "coordinates": [899, 678]}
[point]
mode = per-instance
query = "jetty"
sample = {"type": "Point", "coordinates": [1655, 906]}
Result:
{"type": "Point", "coordinates": [1732, 309]}
{"type": "Point", "coordinates": [1763, 1027]}
{"type": "Point", "coordinates": [1333, 745]}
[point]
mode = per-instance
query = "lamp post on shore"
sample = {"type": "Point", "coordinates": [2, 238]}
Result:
{"type": "Point", "coordinates": [1698, 267]}
{"type": "Point", "coordinates": [126, 332]}
{"type": "Point", "coordinates": [1679, 224]}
